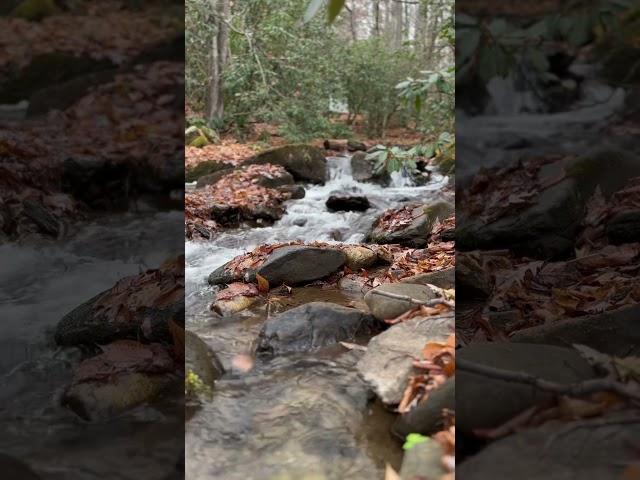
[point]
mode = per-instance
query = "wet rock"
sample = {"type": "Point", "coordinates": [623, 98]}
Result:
{"type": "Point", "coordinates": [313, 326]}
{"type": "Point", "coordinates": [309, 410]}
{"type": "Point", "coordinates": [614, 333]}
{"type": "Point", "coordinates": [139, 306]}
{"type": "Point", "coordinates": [305, 162]}
{"type": "Point", "coordinates": [354, 283]}
{"type": "Point", "coordinates": [624, 227]}
{"type": "Point", "coordinates": [126, 374]}
{"type": "Point", "coordinates": [222, 275]}
{"type": "Point", "coordinates": [300, 222]}
{"type": "Point", "coordinates": [415, 233]}
{"type": "Point", "coordinates": [205, 168]}
{"type": "Point", "coordinates": [388, 361]}
{"type": "Point", "coordinates": [234, 305]}
{"type": "Point", "coordinates": [426, 417]}
{"type": "Point", "coordinates": [299, 264]}
{"type": "Point", "coordinates": [201, 360]}
{"type": "Point", "coordinates": [104, 399]}
{"type": "Point", "coordinates": [345, 203]}
{"type": "Point", "coordinates": [275, 181]}
{"type": "Point", "coordinates": [423, 460]}
{"type": "Point", "coordinates": [212, 178]}
{"type": "Point", "coordinates": [362, 170]}
{"type": "Point", "coordinates": [471, 278]}
{"type": "Point", "coordinates": [482, 402]}
{"type": "Point", "coordinates": [296, 191]}
{"type": "Point", "coordinates": [360, 257]}
{"type": "Point", "coordinates": [550, 452]}
{"type": "Point", "coordinates": [14, 469]}
{"type": "Point", "coordinates": [445, 279]}
{"type": "Point", "coordinates": [384, 308]}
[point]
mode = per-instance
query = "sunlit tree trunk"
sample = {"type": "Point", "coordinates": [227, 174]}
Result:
{"type": "Point", "coordinates": [219, 57]}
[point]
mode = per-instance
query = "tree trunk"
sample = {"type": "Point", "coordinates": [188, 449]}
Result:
{"type": "Point", "coordinates": [376, 18]}
{"type": "Point", "coordinates": [396, 17]}
{"type": "Point", "coordinates": [219, 57]}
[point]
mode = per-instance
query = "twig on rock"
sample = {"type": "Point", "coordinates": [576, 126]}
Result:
{"type": "Point", "coordinates": [578, 389]}
{"type": "Point", "coordinates": [415, 301]}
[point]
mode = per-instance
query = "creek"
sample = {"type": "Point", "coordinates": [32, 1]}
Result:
{"type": "Point", "coordinates": [294, 416]}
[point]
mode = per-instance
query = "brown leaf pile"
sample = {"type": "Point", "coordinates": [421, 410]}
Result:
{"type": "Point", "coordinates": [131, 296]}
{"type": "Point", "coordinates": [395, 219]}
{"type": "Point", "coordinates": [499, 191]}
{"type": "Point", "coordinates": [600, 211]}
{"type": "Point", "coordinates": [227, 151]}
{"type": "Point", "coordinates": [239, 190]}
{"type": "Point", "coordinates": [104, 31]}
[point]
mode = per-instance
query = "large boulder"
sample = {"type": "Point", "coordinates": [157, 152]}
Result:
{"type": "Point", "coordinates": [484, 402]}
{"type": "Point", "coordinates": [300, 264]}
{"type": "Point", "coordinates": [305, 162]}
{"type": "Point", "coordinates": [410, 226]}
{"type": "Point", "coordinates": [388, 362]}
{"type": "Point", "coordinates": [385, 307]}
{"type": "Point", "coordinates": [583, 449]}
{"type": "Point", "coordinates": [313, 326]}
{"type": "Point", "coordinates": [14, 469]}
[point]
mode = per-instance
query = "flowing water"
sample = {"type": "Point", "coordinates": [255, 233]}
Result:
{"type": "Point", "coordinates": [296, 416]}
{"type": "Point", "coordinates": [41, 282]}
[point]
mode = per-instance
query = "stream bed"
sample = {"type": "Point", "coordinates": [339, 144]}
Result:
{"type": "Point", "coordinates": [297, 416]}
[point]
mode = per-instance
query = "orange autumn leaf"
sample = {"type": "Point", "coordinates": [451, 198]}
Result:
{"type": "Point", "coordinates": [263, 283]}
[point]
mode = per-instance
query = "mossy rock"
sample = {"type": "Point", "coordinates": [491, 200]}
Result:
{"type": "Point", "coordinates": [305, 162]}
{"type": "Point", "coordinates": [204, 168]}
{"type": "Point", "coordinates": [202, 366]}
{"type": "Point", "coordinates": [200, 136]}
{"type": "Point", "coordinates": [34, 10]}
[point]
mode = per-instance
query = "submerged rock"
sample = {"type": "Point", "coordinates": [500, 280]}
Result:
{"type": "Point", "coordinates": [305, 162]}
{"type": "Point", "coordinates": [388, 361]}
{"type": "Point", "coordinates": [423, 460]}
{"type": "Point", "coordinates": [346, 203]}
{"type": "Point", "coordinates": [385, 308]}
{"type": "Point", "coordinates": [300, 264]}
{"type": "Point", "coordinates": [483, 402]}
{"type": "Point", "coordinates": [313, 326]}
{"type": "Point", "coordinates": [414, 230]}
